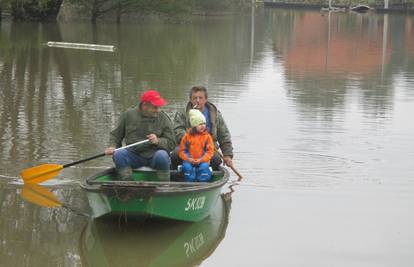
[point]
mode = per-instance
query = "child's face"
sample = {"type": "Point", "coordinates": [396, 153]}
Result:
{"type": "Point", "coordinates": [201, 128]}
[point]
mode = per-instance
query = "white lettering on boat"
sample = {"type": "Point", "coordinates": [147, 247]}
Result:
{"type": "Point", "coordinates": [195, 203]}
{"type": "Point", "coordinates": [194, 244]}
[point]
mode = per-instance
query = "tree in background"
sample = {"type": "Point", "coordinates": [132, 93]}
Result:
{"type": "Point", "coordinates": [47, 10]}
{"type": "Point", "coordinates": [98, 8]}
{"type": "Point", "coordinates": [37, 10]}
{"type": "Point", "coordinates": [117, 8]}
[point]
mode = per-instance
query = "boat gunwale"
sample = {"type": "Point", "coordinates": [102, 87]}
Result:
{"type": "Point", "coordinates": [170, 187]}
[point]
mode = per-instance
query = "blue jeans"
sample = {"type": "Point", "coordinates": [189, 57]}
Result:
{"type": "Point", "coordinates": [124, 158]}
{"type": "Point", "coordinates": [199, 172]}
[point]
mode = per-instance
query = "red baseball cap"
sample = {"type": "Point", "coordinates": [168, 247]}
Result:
{"type": "Point", "coordinates": [153, 97]}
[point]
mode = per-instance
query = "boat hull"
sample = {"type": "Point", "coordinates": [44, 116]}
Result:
{"type": "Point", "coordinates": [145, 198]}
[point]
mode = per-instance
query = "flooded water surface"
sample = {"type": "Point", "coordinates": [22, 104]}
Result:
{"type": "Point", "coordinates": [319, 107]}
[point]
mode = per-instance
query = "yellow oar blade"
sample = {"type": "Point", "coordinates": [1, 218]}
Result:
{"type": "Point", "coordinates": [40, 173]}
{"type": "Point", "coordinates": [40, 195]}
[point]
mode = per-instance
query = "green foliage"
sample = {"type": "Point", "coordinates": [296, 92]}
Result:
{"type": "Point", "coordinates": [38, 10]}
{"type": "Point", "coordinates": [107, 8]}
{"type": "Point", "coordinates": [169, 6]}
{"type": "Point", "coordinates": [221, 5]}
{"type": "Point", "coordinates": [48, 9]}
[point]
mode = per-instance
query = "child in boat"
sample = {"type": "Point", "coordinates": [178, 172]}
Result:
{"type": "Point", "coordinates": [196, 149]}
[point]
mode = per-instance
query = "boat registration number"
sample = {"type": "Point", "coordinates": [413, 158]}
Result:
{"type": "Point", "coordinates": [194, 244]}
{"type": "Point", "coordinates": [195, 203]}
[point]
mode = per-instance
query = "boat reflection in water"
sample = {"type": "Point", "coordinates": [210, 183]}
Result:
{"type": "Point", "coordinates": [154, 242]}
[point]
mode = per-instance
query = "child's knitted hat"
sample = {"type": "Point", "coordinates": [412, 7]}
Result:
{"type": "Point", "coordinates": [196, 117]}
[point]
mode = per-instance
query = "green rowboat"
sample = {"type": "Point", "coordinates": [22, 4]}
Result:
{"type": "Point", "coordinates": [144, 196]}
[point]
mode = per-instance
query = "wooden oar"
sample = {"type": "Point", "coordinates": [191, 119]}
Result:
{"type": "Point", "coordinates": [46, 172]}
{"type": "Point", "coordinates": [231, 167]}
{"type": "Point", "coordinates": [41, 196]}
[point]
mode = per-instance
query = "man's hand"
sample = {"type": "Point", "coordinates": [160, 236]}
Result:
{"type": "Point", "coordinates": [109, 150]}
{"type": "Point", "coordinates": [228, 161]}
{"type": "Point", "coordinates": [153, 139]}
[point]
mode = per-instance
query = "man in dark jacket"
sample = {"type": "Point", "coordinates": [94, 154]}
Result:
{"type": "Point", "coordinates": [146, 121]}
{"type": "Point", "coordinates": [215, 124]}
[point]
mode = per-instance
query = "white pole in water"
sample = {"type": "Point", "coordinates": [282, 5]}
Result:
{"type": "Point", "coordinates": [96, 47]}
{"type": "Point", "coordinates": [384, 44]}
{"type": "Point", "coordinates": [252, 26]}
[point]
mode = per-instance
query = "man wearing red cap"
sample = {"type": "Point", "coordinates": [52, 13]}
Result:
{"type": "Point", "coordinates": [146, 121]}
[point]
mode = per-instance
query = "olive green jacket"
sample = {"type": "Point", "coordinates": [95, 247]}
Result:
{"type": "Point", "coordinates": [133, 127]}
{"type": "Point", "coordinates": [219, 131]}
